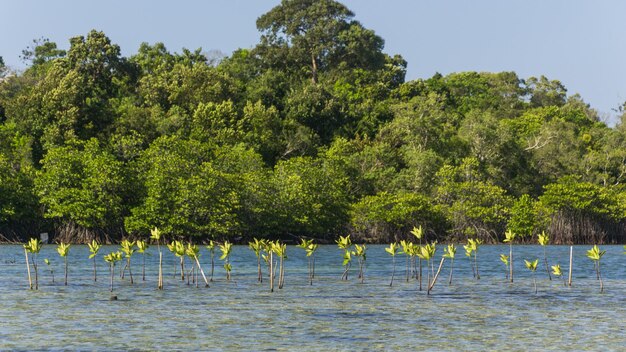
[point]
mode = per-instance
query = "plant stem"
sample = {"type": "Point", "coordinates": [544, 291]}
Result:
{"type": "Point", "coordinates": [182, 268]}
{"type": "Point", "coordinates": [393, 271]}
{"type": "Point", "coordinates": [476, 264]}
{"type": "Point", "coordinates": [36, 271]}
{"type": "Point", "coordinates": [600, 277]}
{"type": "Point", "coordinates": [95, 275]}
{"type": "Point", "coordinates": [451, 269]}
{"type": "Point", "coordinates": [419, 272]}
{"type": "Point", "coordinates": [258, 264]}
{"type": "Point", "coordinates": [130, 272]}
{"type": "Point", "coordinates": [65, 270]}
{"type": "Point", "coordinates": [143, 267]}
{"type": "Point", "coordinates": [545, 259]}
{"type": "Point", "coordinates": [511, 262]}
{"type": "Point", "coordinates": [271, 264]}
{"type": "Point", "coordinates": [160, 280]}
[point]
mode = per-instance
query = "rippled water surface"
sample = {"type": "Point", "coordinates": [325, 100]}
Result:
{"type": "Point", "coordinates": [472, 315]}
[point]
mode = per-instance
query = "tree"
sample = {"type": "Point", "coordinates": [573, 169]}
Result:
{"type": "Point", "coordinates": [81, 186]}
{"type": "Point", "coordinates": [41, 52]}
{"type": "Point", "coordinates": [317, 32]}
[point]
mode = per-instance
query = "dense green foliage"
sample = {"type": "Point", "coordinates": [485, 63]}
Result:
{"type": "Point", "coordinates": [312, 132]}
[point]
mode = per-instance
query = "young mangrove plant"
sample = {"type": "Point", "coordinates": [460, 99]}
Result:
{"type": "Point", "coordinates": [128, 247]}
{"type": "Point", "coordinates": [360, 252]}
{"type": "Point", "coordinates": [532, 266]}
{"type": "Point", "coordinates": [178, 248]}
{"type": "Point", "coordinates": [450, 252]}
{"type": "Point", "coordinates": [33, 246]}
{"type": "Point", "coordinates": [63, 250]}
{"type": "Point", "coordinates": [47, 261]}
{"type": "Point", "coordinates": [505, 259]}
{"type": "Point", "coordinates": [509, 237]}
{"type": "Point", "coordinates": [543, 240]}
{"type": "Point", "coordinates": [211, 248]}
{"type": "Point", "coordinates": [226, 248]}
{"type": "Point", "coordinates": [142, 246]}
{"type": "Point", "coordinates": [310, 248]}
{"type": "Point", "coordinates": [193, 252]}
{"type": "Point", "coordinates": [257, 247]}
{"type": "Point", "coordinates": [596, 254]}
{"type": "Point", "coordinates": [112, 258]}
{"type": "Point", "coordinates": [427, 253]}
{"type": "Point", "coordinates": [471, 248]}
{"type": "Point", "coordinates": [406, 249]}
{"type": "Point", "coordinates": [392, 250]}
{"type": "Point", "coordinates": [418, 233]}
{"type": "Point", "coordinates": [345, 244]}
{"type": "Point", "coordinates": [556, 271]}
{"type": "Point", "coordinates": [94, 247]}
{"type": "Point", "coordinates": [280, 249]}
{"type": "Point", "coordinates": [155, 234]}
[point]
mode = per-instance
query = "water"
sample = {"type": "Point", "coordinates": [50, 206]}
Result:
{"type": "Point", "coordinates": [471, 315]}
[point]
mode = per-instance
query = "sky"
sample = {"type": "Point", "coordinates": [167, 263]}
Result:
{"type": "Point", "coordinates": [578, 42]}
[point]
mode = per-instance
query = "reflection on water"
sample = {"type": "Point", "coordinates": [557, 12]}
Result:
{"type": "Point", "coordinates": [472, 315]}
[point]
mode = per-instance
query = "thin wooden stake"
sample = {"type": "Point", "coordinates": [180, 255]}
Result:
{"type": "Point", "coordinates": [571, 260]}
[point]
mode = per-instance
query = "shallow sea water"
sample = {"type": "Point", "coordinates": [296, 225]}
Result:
{"type": "Point", "coordinates": [330, 315]}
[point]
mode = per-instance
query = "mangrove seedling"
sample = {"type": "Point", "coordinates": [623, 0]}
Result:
{"type": "Point", "coordinates": [94, 247]}
{"type": "Point", "coordinates": [556, 271]}
{"type": "Point", "coordinates": [543, 240]}
{"type": "Point", "coordinates": [47, 261]}
{"type": "Point", "coordinates": [392, 250]}
{"type": "Point", "coordinates": [505, 259]}
{"type": "Point", "coordinates": [310, 248]}
{"type": "Point", "coordinates": [509, 237]}
{"type": "Point", "coordinates": [281, 251]}
{"type": "Point", "coordinates": [427, 253]}
{"type": "Point", "coordinates": [532, 266]}
{"type": "Point", "coordinates": [193, 252]}
{"type": "Point", "coordinates": [155, 234]}
{"type": "Point", "coordinates": [345, 244]}
{"type": "Point", "coordinates": [142, 246]}
{"type": "Point", "coordinates": [360, 252]}
{"type": "Point", "coordinates": [406, 249]}
{"type": "Point", "coordinates": [471, 248]}
{"type": "Point", "coordinates": [450, 252]}
{"type": "Point", "coordinates": [112, 258]}
{"type": "Point", "coordinates": [178, 248]}
{"type": "Point", "coordinates": [128, 247]}
{"type": "Point", "coordinates": [226, 248]}
{"type": "Point", "coordinates": [33, 246]}
{"type": "Point", "coordinates": [211, 248]}
{"type": "Point", "coordinates": [596, 254]}
{"type": "Point", "coordinates": [64, 250]}
{"type": "Point", "coordinates": [418, 233]}
{"type": "Point", "coordinates": [257, 247]}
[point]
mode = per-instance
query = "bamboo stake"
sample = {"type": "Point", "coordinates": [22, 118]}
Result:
{"type": "Point", "coordinates": [30, 281]}
{"type": "Point", "coordinates": [571, 260]}
{"type": "Point", "coordinates": [430, 287]}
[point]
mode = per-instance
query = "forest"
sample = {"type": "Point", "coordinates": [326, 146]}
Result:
{"type": "Point", "coordinates": [313, 132]}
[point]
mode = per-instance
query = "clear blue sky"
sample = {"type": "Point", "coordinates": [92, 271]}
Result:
{"type": "Point", "coordinates": [581, 43]}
